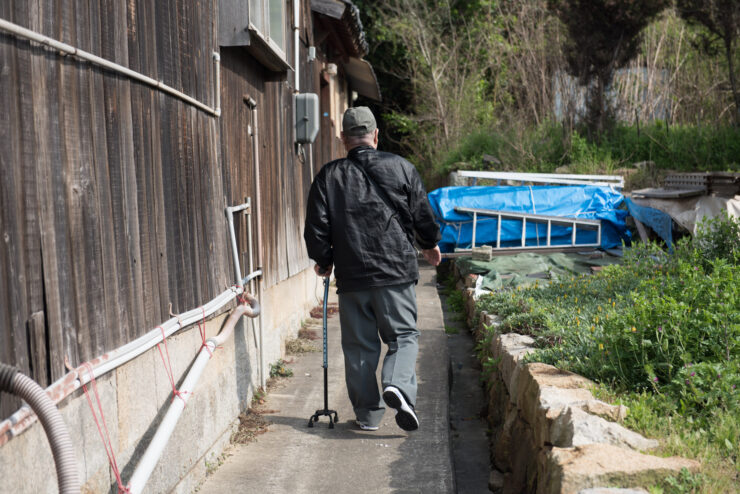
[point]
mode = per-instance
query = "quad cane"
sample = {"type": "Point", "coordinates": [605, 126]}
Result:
{"type": "Point", "coordinates": [325, 411]}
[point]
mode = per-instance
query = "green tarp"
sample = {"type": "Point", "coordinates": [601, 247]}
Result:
{"type": "Point", "coordinates": [527, 268]}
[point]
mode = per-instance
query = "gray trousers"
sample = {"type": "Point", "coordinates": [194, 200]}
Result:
{"type": "Point", "coordinates": [366, 317]}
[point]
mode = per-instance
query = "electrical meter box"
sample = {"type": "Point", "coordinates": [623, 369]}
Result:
{"type": "Point", "coordinates": [306, 117]}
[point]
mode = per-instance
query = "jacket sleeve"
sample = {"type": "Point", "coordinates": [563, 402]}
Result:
{"type": "Point", "coordinates": [317, 231]}
{"type": "Point", "coordinates": [425, 227]}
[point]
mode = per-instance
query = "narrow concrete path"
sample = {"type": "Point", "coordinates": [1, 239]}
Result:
{"type": "Point", "coordinates": [292, 458]}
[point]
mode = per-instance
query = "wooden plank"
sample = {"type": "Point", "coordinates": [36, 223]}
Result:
{"type": "Point", "coordinates": [58, 297]}
{"type": "Point", "coordinates": [116, 173]}
{"type": "Point", "coordinates": [12, 212]}
{"type": "Point", "coordinates": [8, 81]}
{"type": "Point", "coordinates": [641, 230]}
{"type": "Point", "coordinates": [100, 164]}
{"type": "Point", "coordinates": [158, 204]}
{"type": "Point", "coordinates": [128, 166]}
{"type": "Point", "coordinates": [216, 222]}
{"type": "Point", "coordinates": [34, 293]}
{"type": "Point", "coordinates": [142, 156]}
{"type": "Point", "coordinates": [75, 181]}
{"type": "Point", "coordinates": [196, 206]}
{"type": "Point", "coordinates": [183, 166]}
{"type": "Point", "coordinates": [154, 202]}
{"type": "Point", "coordinates": [88, 254]}
{"type": "Point", "coordinates": [141, 112]}
{"type": "Point", "coordinates": [37, 345]}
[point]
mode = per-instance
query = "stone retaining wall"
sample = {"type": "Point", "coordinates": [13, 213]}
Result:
{"type": "Point", "coordinates": [549, 434]}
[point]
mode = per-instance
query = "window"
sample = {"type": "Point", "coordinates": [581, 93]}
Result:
{"type": "Point", "coordinates": [267, 18]}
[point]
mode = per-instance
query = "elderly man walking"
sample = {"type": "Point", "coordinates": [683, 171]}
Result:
{"type": "Point", "coordinates": [364, 214]}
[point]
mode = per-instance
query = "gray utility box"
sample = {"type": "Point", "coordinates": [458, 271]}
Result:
{"type": "Point", "coordinates": [306, 117]}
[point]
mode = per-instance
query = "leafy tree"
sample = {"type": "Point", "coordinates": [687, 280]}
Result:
{"type": "Point", "coordinates": [604, 35]}
{"type": "Point", "coordinates": [435, 61]}
{"type": "Point", "coordinates": [721, 18]}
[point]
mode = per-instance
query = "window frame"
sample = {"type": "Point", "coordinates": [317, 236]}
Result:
{"type": "Point", "coordinates": [262, 29]}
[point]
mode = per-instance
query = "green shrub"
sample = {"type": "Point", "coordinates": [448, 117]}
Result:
{"type": "Point", "coordinates": [717, 238]}
{"type": "Point", "coordinates": [660, 324]}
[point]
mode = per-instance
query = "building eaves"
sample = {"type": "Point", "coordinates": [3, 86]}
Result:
{"type": "Point", "coordinates": [344, 19]}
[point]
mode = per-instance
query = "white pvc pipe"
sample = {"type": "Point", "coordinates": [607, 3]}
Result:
{"type": "Point", "coordinates": [296, 43]}
{"type": "Point", "coordinates": [250, 259]}
{"type": "Point", "coordinates": [234, 249]}
{"type": "Point", "coordinates": [553, 178]}
{"type": "Point", "coordinates": [72, 381]}
{"type": "Point", "coordinates": [217, 67]}
{"type": "Point", "coordinates": [22, 32]}
{"type": "Point", "coordinates": [154, 451]}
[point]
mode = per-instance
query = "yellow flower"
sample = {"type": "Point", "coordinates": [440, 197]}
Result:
{"type": "Point", "coordinates": [579, 310]}
{"type": "Point", "coordinates": [614, 304]}
{"type": "Point", "coordinates": [593, 328]}
{"type": "Point", "coordinates": [634, 329]}
{"type": "Point", "coordinates": [598, 308]}
{"type": "Point", "coordinates": [578, 322]}
{"type": "Point", "coordinates": [601, 346]}
{"type": "Point", "coordinates": [597, 320]}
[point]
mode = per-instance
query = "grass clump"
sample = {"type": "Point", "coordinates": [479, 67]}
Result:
{"type": "Point", "coordinates": [661, 332]}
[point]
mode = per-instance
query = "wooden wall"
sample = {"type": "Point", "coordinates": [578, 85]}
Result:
{"type": "Point", "coordinates": [112, 193]}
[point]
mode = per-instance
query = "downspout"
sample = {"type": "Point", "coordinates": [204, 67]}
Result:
{"type": "Point", "coordinates": [153, 453]}
{"type": "Point", "coordinates": [246, 207]}
{"type": "Point", "coordinates": [14, 382]}
{"type": "Point", "coordinates": [252, 104]}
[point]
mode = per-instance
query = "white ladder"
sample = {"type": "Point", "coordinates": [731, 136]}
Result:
{"type": "Point", "coordinates": [538, 219]}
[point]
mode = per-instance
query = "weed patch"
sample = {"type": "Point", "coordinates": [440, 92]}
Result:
{"type": "Point", "coordinates": [661, 332]}
{"type": "Point", "coordinates": [280, 369]}
{"type": "Point", "coordinates": [251, 424]}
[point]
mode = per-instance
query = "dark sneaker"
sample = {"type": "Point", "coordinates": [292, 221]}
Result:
{"type": "Point", "coordinates": [366, 427]}
{"type": "Point", "coordinates": [405, 416]}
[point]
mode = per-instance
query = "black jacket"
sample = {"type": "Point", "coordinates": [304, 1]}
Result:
{"type": "Point", "coordinates": [348, 224]}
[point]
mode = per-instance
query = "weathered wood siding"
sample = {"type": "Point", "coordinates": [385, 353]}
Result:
{"type": "Point", "coordinates": [111, 199]}
{"type": "Point", "coordinates": [112, 193]}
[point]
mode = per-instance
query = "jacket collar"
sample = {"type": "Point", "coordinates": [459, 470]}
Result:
{"type": "Point", "coordinates": [354, 152]}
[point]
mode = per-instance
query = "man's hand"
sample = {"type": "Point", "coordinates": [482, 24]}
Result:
{"type": "Point", "coordinates": [433, 256]}
{"type": "Point", "coordinates": [323, 274]}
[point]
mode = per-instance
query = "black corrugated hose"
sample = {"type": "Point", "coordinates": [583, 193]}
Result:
{"type": "Point", "coordinates": [14, 382]}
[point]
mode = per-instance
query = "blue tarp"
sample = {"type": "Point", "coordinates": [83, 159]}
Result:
{"type": "Point", "coordinates": [576, 201]}
{"type": "Point", "coordinates": [660, 222]}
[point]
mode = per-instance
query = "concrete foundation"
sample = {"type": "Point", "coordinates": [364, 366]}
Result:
{"type": "Point", "coordinates": [135, 397]}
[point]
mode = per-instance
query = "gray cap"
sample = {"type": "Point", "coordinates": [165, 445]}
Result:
{"type": "Point", "coordinates": [358, 121]}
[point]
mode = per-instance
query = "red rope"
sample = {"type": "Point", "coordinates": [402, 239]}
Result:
{"type": "Point", "coordinates": [202, 329]}
{"type": "Point", "coordinates": [106, 439]}
{"type": "Point", "coordinates": [168, 368]}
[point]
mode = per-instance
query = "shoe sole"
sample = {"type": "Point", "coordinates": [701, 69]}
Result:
{"type": "Point", "coordinates": [405, 416]}
{"type": "Point", "coordinates": [366, 427]}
